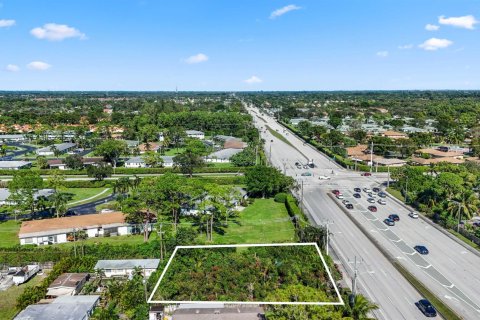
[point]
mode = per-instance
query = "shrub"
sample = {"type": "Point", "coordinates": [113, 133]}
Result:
{"type": "Point", "coordinates": [280, 197]}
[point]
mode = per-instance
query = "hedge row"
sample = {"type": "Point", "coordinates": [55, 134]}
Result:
{"type": "Point", "coordinates": [293, 209]}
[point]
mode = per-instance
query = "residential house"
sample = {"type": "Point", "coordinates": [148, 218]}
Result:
{"type": "Point", "coordinates": [388, 162]}
{"type": "Point", "coordinates": [411, 129]}
{"type": "Point", "coordinates": [234, 144]}
{"type": "Point", "coordinates": [296, 121]}
{"type": "Point", "coordinates": [195, 134]}
{"type": "Point", "coordinates": [61, 147]}
{"type": "Point", "coordinates": [218, 311]}
{"type": "Point", "coordinates": [125, 268]}
{"type": "Point", "coordinates": [394, 135]}
{"type": "Point", "coordinates": [13, 138]}
{"type": "Point", "coordinates": [25, 273]}
{"type": "Point", "coordinates": [429, 156]}
{"type": "Point", "coordinates": [61, 230]}
{"type": "Point", "coordinates": [56, 164]}
{"type": "Point", "coordinates": [67, 284]}
{"type": "Point", "coordinates": [14, 165]}
{"type": "Point", "coordinates": [168, 161]}
{"type": "Point", "coordinates": [64, 307]}
{"type": "Point", "coordinates": [152, 146]}
{"type": "Point", "coordinates": [135, 162]}
{"type": "Point", "coordinates": [222, 156]}
{"type": "Point", "coordinates": [5, 194]}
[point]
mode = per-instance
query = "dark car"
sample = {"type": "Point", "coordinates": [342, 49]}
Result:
{"type": "Point", "coordinates": [357, 195]}
{"type": "Point", "coordinates": [349, 206]}
{"type": "Point", "coordinates": [376, 189]}
{"type": "Point", "coordinates": [421, 249]}
{"type": "Point", "coordinates": [335, 192]}
{"type": "Point", "coordinates": [372, 208]}
{"type": "Point", "coordinates": [357, 189]}
{"type": "Point", "coordinates": [426, 307]}
{"type": "Point", "coordinates": [394, 217]}
{"type": "Point", "coordinates": [389, 222]}
{"type": "Point", "coordinates": [382, 194]}
{"type": "Point", "coordinates": [366, 174]}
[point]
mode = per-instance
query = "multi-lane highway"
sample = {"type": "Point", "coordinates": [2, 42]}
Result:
{"type": "Point", "coordinates": [450, 270]}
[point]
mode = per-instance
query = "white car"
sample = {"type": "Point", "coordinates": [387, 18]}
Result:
{"type": "Point", "coordinates": [381, 201]}
{"type": "Point", "coordinates": [324, 178]}
{"type": "Point", "coordinates": [367, 190]}
{"type": "Point", "coordinates": [371, 200]}
{"type": "Point", "coordinates": [106, 211]}
{"type": "Point", "coordinates": [345, 201]}
{"type": "Point", "coordinates": [340, 196]}
{"type": "Point", "coordinates": [413, 215]}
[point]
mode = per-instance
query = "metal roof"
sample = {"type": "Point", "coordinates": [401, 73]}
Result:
{"type": "Point", "coordinates": [224, 154]}
{"type": "Point", "coordinates": [60, 147]}
{"type": "Point", "coordinates": [13, 164]}
{"type": "Point", "coordinates": [127, 264]}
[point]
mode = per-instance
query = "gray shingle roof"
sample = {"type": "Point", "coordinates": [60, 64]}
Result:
{"type": "Point", "coordinates": [13, 164]}
{"type": "Point", "coordinates": [128, 264]}
{"type": "Point", "coordinates": [60, 147]}
{"type": "Point", "coordinates": [224, 154]}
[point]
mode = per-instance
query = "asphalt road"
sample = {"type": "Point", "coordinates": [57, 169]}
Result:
{"type": "Point", "coordinates": [450, 270]}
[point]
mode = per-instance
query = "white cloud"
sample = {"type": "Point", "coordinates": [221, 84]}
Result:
{"type": "Point", "coordinates": [431, 27]}
{"type": "Point", "coordinates": [12, 68]}
{"type": "Point", "coordinates": [433, 44]}
{"type": "Point", "coordinates": [405, 46]}
{"type": "Point", "coordinates": [198, 58]}
{"type": "Point", "coordinates": [466, 22]}
{"type": "Point", "coordinates": [280, 12]}
{"type": "Point", "coordinates": [6, 23]}
{"type": "Point", "coordinates": [56, 32]}
{"type": "Point", "coordinates": [253, 80]}
{"type": "Point", "coordinates": [38, 65]}
{"type": "Point", "coordinates": [382, 54]}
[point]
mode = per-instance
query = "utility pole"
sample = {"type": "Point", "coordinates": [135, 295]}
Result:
{"type": "Point", "coordinates": [371, 157]}
{"type": "Point", "coordinates": [354, 280]}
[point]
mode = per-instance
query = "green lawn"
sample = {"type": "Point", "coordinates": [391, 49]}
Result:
{"type": "Point", "coordinates": [86, 193]}
{"type": "Point", "coordinates": [173, 151]}
{"type": "Point", "coordinates": [397, 194]}
{"type": "Point", "coordinates": [9, 233]}
{"type": "Point", "coordinates": [9, 297]}
{"type": "Point", "coordinates": [264, 221]}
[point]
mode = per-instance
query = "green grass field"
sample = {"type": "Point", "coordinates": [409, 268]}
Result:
{"type": "Point", "coordinates": [118, 240]}
{"type": "Point", "coordinates": [173, 151]}
{"type": "Point", "coordinates": [80, 194]}
{"type": "Point", "coordinates": [9, 297]}
{"type": "Point", "coordinates": [9, 233]}
{"type": "Point", "coordinates": [264, 221]}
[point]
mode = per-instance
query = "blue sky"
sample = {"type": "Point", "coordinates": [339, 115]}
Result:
{"type": "Point", "coordinates": [239, 44]}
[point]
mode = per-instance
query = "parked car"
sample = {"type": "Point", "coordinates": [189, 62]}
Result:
{"type": "Point", "coordinates": [371, 200]}
{"type": "Point", "coordinates": [345, 201]}
{"type": "Point", "coordinates": [366, 174]}
{"type": "Point", "coordinates": [394, 217]}
{"type": "Point", "coordinates": [299, 166]}
{"type": "Point", "coordinates": [271, 140]}
{"type": "Point", "coordinates": [349, 206]}
{"type": "Point", "coordinates": [357, 195]}
{"type": "Point", "coordinates": [413, 215]}
{"type": "Point", "coordinates": [305, 166]}
{"type": "Point", "coordinates": [372, 208]}
{"type": "Point", "coordinates": [306, 174]}
{"type": "Point", "coordinates": [421, 249]}
{"type": "Point", "coordinates": [382, 202]}
{"type": "Point", "coordinates": [376, 189]}
{"type": "Point", "coordinates": [324, 178]}
{"type": "Point", "coordinates": [357, 189]}
{"type": "Point", "coordinates": [389, 222]}
{"type": "Point", "coordinates": [367, 190]}
{"type": "Point", "coordinates": [382, 194]}
{"type": "Point", "coordinates": [340, 196]}
{"type": "Point", "coordinates": [106, 211]}
{"type": "Point", "coordinates": [427, 308]}
{"type": "Point", "coordinates": [372, 195]}
{"type": "Point", "coordinates": [336, 192]}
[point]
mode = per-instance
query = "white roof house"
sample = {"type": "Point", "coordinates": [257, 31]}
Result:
{"type": "Point", "coordinates": [168, 161]}
{"type": "Point", "coordinates": [66, 307]}
{"type": "Point", "coordinates": [5, 193]}
{"type": "Point", "coordinates": [61, 147]}
{"type": "Point", "coordinates": [222, 155]}
{"type": "Point", "coordinates": [122, 268]}
{"type": "Point", "coordinates": [12, 137]}
{"type": "Point", "coordinates": [135, 162]}
{"type": "Point", "coordinates": [14, 165]}
{"type": "Point", "coordinates": [195, 134]}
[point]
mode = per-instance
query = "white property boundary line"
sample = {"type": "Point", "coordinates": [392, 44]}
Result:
{"type": "Point", "coordinates": [340, 302]}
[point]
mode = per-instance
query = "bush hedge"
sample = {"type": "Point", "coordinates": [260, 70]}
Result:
{"type": "Point", "coordinates": [280, 197]}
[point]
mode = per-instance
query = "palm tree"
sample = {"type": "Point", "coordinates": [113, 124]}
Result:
{"type": "Point", "coordinates": [60, 200]}
{"type": "Point", "coordinates": [360, 309]}
{"type": "Point", "coordinates": [122, 185]}
{"type": "Point", "coordinates": [465, 205]}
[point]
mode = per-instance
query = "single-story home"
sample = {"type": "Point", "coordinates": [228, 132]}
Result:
{"type": "Point", "coordinates": [195, 134]}
{"type": "Point", "coordinates": [13, 137]}
{"type": "Point", "coordinates": [61, 230]}
{"type": "Point", "coordinates": [125, 268]}
{"type": "Point", "coordinates": [218, 311]}
{"type": "Point", "coordinates": [168, 161]}
{"type": "Point", "coordinates": [388, 162]}
{"type": "Point", "coordinates": [64, 307]}
{"type": "Point", "coordinates": [222, 156]}
{"type": "Point", "coordinates": [394, 135]}
{"type": "Point", "coordinates": [426, 162]}
{"type": "Point", "coordinates": [443, 153]}
{"type": "Point", "coordinates": [152, 146]}
{"type": "Point", "coordinates": [61, 147]}
{"type": "Point", "coordinates": [234, 144]}
{"type": "Point", "coordinates": [135, 162]}
{"type": "Point", "coordinates": [14, 165]}
{"type": "Point", "coordinates": [56, 164]}
{"type": "Point", "coordinates": [5, 193]}
{"type": "Point", "coordinates": [67, 284]}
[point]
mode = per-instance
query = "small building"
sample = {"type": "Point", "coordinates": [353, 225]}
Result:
{"type": "Point", "coordinates": [25, 273]}
{"type": "Point", "coordinates": [152, 146]}
{"type": "Point", "coordinates": [61, 147]}
{"type": "Point", "coordinates": [61, 230]}
{"type": "Point", "coordinates": [222, 156]}
{"type": "Point", "coordinates": [125, 268]}
{"type": "Point", "coordinates": [195, 134]}
{"type": "Point", "coordinates": [218, 311]}
{"type": "Point", "coordinates": [394, 135]}
{"type": "Point", "coordinates": [388, 162]}
{"type": "Point", "coordinates": [234, 144]}
{"type": "Point", "coordinates": [427, 162]}
{"type": "Point", "coordinates": [135, 162]}
{"type": "Point", "coordinates": [13, 137]}
{"type": "Point", "coordinates": [65, 307]}
{"type": "Point", "coordinates": [14, 165]}
{"type": "Point", "coordinates": [296, 121]}
{"type": "Point", "coordinates": [5, 194]}
{"type": "Point", "coordinates": [168, 161]}
{"type": "Point", "coordinates": [56, 164]}
{"type": "Point", "coordinates": [67, 284]}
{"type": "Point", "coordinates": [440, 152]}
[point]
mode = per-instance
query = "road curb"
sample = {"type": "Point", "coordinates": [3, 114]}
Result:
{"type": "Point", "coordinates": [400, 268]}
{"type": "Point", "coordinates": [433, 224]}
